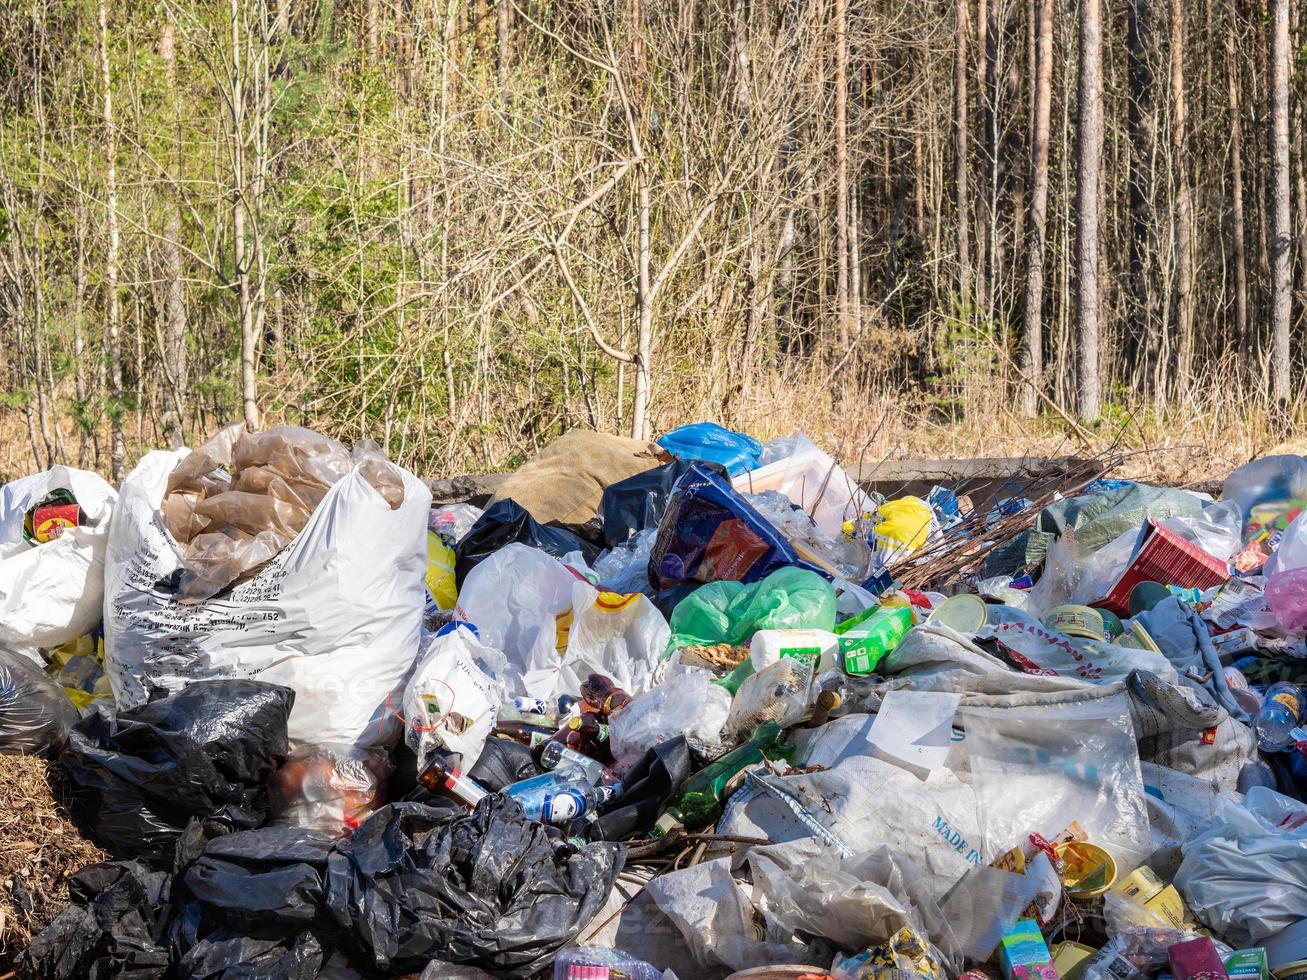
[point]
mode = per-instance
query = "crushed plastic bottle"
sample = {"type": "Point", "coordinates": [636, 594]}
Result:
{"type": "Point", "coordinates": [1282, 712]}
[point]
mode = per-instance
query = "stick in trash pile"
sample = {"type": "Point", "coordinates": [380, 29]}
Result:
{"type": "Point", "coordinates": [959, 550]}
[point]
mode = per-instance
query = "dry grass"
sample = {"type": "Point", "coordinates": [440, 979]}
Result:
{"type": "Point", "coordinates": [1196, 441]}
{"type": "Point", "coordinates": [39, 848]}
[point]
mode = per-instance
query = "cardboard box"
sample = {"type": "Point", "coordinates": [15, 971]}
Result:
{"type": "Point", "coordinates": [1024, 955]}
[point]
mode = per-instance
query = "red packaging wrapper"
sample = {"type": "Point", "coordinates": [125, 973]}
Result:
{"type": "Point", "coordinates": [51, 520]}
{"type": "Point", "coordinates": [1196, 959]}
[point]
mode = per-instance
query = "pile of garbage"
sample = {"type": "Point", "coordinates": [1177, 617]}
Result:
{"type": "Point", "coordinates": [703, 708]}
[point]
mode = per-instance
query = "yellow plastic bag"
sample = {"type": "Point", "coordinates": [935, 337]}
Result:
{"type": "Point", "coordinates": [904, 526]}
{"type": "Point", "coordinates": [78, 667]}
{"type": "Point", "coordinates": [440, 572]}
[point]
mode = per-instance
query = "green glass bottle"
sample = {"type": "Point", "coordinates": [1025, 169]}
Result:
{"type": "Point", "coordinates": [700, 799]}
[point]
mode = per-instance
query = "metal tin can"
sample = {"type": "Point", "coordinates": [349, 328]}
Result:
{"type": "Point", "coordinates": [1081, 621]}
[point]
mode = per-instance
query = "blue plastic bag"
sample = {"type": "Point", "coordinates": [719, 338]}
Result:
{"type": "Point", "coordinates": [709, 533]}
{"type": "Point", "coordinates": [709, 441]}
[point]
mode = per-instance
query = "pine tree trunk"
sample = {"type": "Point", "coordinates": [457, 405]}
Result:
{"type": "Point", "coordinates": [961, 197]}
{"type": "Point", "coordinates": [117, 450]}
{"type": "Point", "coordinates": [1232, 68]}
{"type": "Point", "coordinates": [1089, 151]}
{"type": "Point", "coordinates": [1182, 206]}
{"type": "Point", "coordinates": [1034, 306]}
{"type": "Point", "coordinates": [1139, 123]}
{"type": "Point", "coordinates": [842, 289]}
{"type": "Point", "coordinates": [174, 301]}
{"type": "Point", "coordinates": [1281, 224]}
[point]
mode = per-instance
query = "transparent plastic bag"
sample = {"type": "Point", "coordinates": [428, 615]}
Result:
{"type": "Point", "coordinates": [453, 521]}
{"type": "Point", "coordinates": [780, 692]}
{"type": "Point", "coordinates": [589, 961]}
{"type": "Point", "coordinates": [235, 502]}
{"type": "Point", "coordinates": [1246, 878]}
{"type": "Point", "coordinates": [329, 788]}
{"type": "Point", "coordinates": [1265, 480]}
{"type": "Point", "coordinates": [796, 467]}
{"type": "Point", "coordinates": [685, 703]}
{"type": "Point", "coordinates": [1039, 765]}
{"type": "Point", "coordinates": [625, 568]}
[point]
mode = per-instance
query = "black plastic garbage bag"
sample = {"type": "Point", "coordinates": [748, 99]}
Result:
{"type": "Point", "coordinates": [501, 763]}
{"type": "Point", "coordinates": [112, 929]}
{"type": "Point", "coordinates": [254, 955]}
{"type": "Point", "coordinates": [205, 752]}
{"type": "Point", "coordinates": [252, 901]}
{"type": "Point", "coordinates": [486, 888]}
{"type": "Point", "coordinates": [639, 501]}
{"type": "Point", "coordinates": [506, 522]}
{"type": "Point", "coordinates": [35, 713]}
{"type": "Point", "coordinates": [261, 877]}
{"type": "Point", "coordinates": [648, 785]}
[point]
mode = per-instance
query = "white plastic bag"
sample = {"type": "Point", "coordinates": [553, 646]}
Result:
{"type": "Point", "coordinates": [335, 616]}
{"type": "Point", "coordinates": [556, 628]}
{"type": "Point", "coordinates": [1246, 878]}
{"type": "Point", "coordinates": [452, 698]}
{"type": "Point", "coordinates": [52, 593]}
{"type": "Point", "coordinates": [1039, 763]}
{"type": "Point", "coordinates": [717, 921]}
{"type": "Point", "coordinates": [865, 802]}
{"type": "Point", "coordinates": [796, 467]}
{"type": "Point", "coordinates": [685, 703]}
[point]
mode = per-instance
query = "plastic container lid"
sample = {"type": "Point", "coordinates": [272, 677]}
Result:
{"type": "Point", "coordinates": [1146, 595]}
{"type": "Point", "coordinates": [966, 613]}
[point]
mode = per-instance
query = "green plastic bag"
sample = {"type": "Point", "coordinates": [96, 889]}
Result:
{"type": "Point", "coordinates": [731, 612]}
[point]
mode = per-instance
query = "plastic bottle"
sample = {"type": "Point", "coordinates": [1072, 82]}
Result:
{"type": "Point", "coordinates": [699, 800]}
{"type": "Point", "coordinates": [575, 801]}
{"type": "Point", "coordinates": [556, 755]}
{"type": "Point", "coordinates": [864, 646]}
{"type": "Point", "coordinates": [604, 695]}
{"type": "Point", "coordinates": [1282, 711]}
{"type": "Point", "coordinates": [441, 778]}
{"type": "Point", "coordinates": [781, 692]}
{"type": "Point", "coordinates": [533, 793]}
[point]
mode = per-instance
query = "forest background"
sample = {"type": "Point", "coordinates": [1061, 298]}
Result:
{"type": "Point", "coordinates": [459, 227]}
